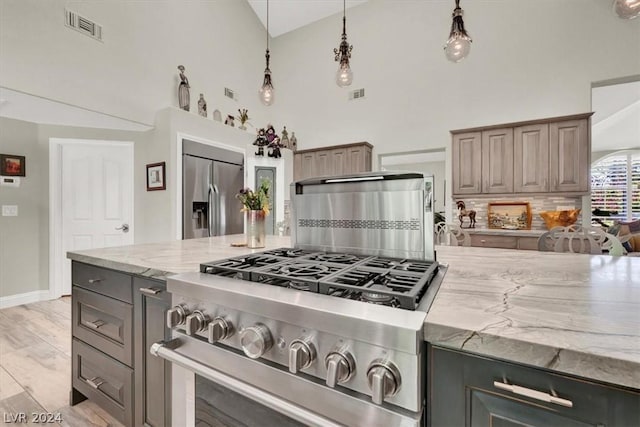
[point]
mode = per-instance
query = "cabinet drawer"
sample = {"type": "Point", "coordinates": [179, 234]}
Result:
{"type": "Point", "coordinates": [482, 381]}
{"type": "Point", "coordinates": [528, 243]}
{"type": "Point", "coordinates": [103, 281]}
{"type": "Point", "coordinates": [505, 242]}
{"type": "Point", "coordinates": [103, 380]}
{"type": "Point", "coordinates": [103, 322]}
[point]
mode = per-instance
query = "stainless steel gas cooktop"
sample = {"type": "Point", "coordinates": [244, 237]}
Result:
{"type": "Point", "coordinates": [393, 282]}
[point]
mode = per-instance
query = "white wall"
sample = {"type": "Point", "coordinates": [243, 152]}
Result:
{"type": "Point", "coordinates": [133, 73]}
{"type": "Point", "coordinates": [529, 59]}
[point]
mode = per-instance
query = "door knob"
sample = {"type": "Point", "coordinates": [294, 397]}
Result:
{"type": "Point", "coordinates": [124, 228]}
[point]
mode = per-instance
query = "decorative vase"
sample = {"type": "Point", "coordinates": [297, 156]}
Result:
{"type": "Point", "coordinates": [255, 229]}
{"type": "Point", "coordinates": [242, 126]}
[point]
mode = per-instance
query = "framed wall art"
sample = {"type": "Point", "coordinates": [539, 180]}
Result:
{"type": "Point", "coordinates": [509, 215]}
{"type": "Point", "coordinates": [11, 165]}
{"type": "Point", "coordinates": [156, 176]}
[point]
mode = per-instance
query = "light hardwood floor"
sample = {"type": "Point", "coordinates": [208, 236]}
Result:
{"type": "Point", "coordinates": [35, 365]}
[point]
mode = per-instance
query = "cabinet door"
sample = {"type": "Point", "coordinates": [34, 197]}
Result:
{"type": "Point", "coordinates": [531, 161]}
{"type": "Point", "coordinates": [324, 164]}
{"type": "Point", "coordinates": [569, 156]}
{"type": "Point", "coordinates": [308, 165]}
{"type": "Point", "coordinates": [356, 159]}
{"type": "Point", "coordinates": [152, 374]}
{"type": "Point", "coordinates": [497, 161]}
{"type": "Point", "coordinates": [297, 167]}
{"type": "Point", "coordinates": [339, 161]}
{"type": "Point", "coordinates": [467, 163]}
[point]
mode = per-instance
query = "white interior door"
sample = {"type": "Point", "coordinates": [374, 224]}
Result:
{"type": "Point", "coordinates": [96, 199]}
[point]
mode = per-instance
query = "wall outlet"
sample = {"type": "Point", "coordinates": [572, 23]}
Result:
{"type": "Point", "coordinates": [9, 210]}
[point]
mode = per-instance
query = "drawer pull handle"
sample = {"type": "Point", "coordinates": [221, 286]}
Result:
{"type": "Point", "coordinates": [95, 280]}
{"type": "Point", "coordinates": [534, 394]}
{"type": "Point", "coordinates": [96, 323]}
{"type": "Point", "coordinates": [150, 291]}
{"type": "Point", "coordinates": [95, 382]}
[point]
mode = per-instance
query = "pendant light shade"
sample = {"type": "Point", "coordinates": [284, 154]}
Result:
{"type": "Point", "coordinates": [266, 92]}
{"type": "Point", "coordinates": [458, 45]}
{"type": "Point", "coordinates": [627, 9]}
{"type": "Point", "coordinates": [344, 76]}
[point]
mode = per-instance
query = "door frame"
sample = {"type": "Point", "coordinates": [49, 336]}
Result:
{"type": "Point", "coordinates": [55, 203]}
{"type": "Point", "coordinates": [178, 174]}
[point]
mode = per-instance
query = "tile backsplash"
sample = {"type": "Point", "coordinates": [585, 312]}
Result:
{"type": "Point", "coordinates": [538, 204]}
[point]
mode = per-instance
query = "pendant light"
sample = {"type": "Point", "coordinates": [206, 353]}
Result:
{"type": "Point", "coordinates": [459, 43]}
{"type": "Point", "coordinates": [266, 91]}
{"type": "Point", "coordinates": [344, 76]}
{"type": "Point", "coordinates": [627, 9]}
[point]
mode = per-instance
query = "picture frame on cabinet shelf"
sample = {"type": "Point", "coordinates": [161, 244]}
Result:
{"type": "Point", "coordinates": [12, 165]}
{"type": "Point", "coordinates": [156, 176]}
{"type": "Point", "coordinates": [509, 215]}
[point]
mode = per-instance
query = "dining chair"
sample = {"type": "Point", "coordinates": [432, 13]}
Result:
{"type": "Point", "coordinates": [451, 235]}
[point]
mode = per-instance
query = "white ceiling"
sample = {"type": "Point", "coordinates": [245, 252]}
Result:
{"type": "Point", "coordinates": [616, 118]}
{"type": "Point", "coordinates": [22, 106]}
{"type": "Point", "coordinates": [288, 15]}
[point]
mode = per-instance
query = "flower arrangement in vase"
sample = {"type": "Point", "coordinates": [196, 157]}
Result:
{"type": "Point", "coordinates": [243, 116]}
{"type": "Point", "coordinates": [255, 205]}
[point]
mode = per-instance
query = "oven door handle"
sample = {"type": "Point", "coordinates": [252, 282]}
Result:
{"type": "Point", "coordinates": [166, 350]}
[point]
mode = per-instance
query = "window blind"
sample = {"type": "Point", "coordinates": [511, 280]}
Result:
{"type": "Point", "coordinates": [615, 186]}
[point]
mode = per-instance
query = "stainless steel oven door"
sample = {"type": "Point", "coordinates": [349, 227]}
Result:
{"type": "Point", "coordinates": [200, 371]}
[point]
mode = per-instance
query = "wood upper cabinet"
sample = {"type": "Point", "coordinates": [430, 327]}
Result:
{"type": "Point", "coordinates": [531, 159]}
{"type": "Point", "coordinates": [569, 156]}
{"type": "Point", "coordinates": [332, 161]}
{"type": "Point", "coordinates": [467, 163]}
{"type": "Point", "coordinates": [538, 156]}
{"type": "Point", "coordinates": [497, 161]}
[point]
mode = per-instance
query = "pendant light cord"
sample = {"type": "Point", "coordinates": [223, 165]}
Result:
{"type": "Point", "coordinates": [268, 25]}
{"type": "Point", "coordinates": [344, 18]}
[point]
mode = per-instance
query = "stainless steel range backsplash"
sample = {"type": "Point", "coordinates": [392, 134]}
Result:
{"type": "Point", "coordinates": [538, 204]}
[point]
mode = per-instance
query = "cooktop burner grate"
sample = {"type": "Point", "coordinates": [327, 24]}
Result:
{"type": "Point", "coordinates": [337, 258]}
{"type": "Point", "coordinates": [288, 252]}
{"type": "Point", "coordinates": [298, 274]}
{"type": "Point", "coordinates": [239, 267]}
{"type": "Point", "coordinates": [411, 265]}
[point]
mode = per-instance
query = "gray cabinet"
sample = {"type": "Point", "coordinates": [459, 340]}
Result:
{"type": "Point", "coordinates": [539, 156]}
{"type": "Point", "coordinates": [470, 390]}
{"type": "Point", "coordinates": [115, 319]}
{"type": "Point", "coordinates": [331, 161]}
{"type": "Point", "coordinates": [152, 374]}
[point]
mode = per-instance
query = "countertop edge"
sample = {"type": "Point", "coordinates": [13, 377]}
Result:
{"type": "Point", "coordinates": [151, 273]}
{"type": "Point", "coordinates": [613, 371]}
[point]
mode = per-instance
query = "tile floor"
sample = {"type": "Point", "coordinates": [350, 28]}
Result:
{"type": "Point", "coordinates": [35, 366]}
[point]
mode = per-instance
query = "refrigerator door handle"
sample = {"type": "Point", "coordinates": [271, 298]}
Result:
{"type": "Point", "coordinates": [217, 209]}
{"type": "Point", "coordinates": [210, 211]}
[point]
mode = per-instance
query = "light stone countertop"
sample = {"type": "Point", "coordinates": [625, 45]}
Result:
{"type": "Point", "coordinates": [572, 313]}
{"type": "Point", "coordinates": [504, 232]}
{"type": "Point", "coordinates": [159, 260]}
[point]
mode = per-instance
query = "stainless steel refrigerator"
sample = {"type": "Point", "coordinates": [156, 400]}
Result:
{"type": "Point", "coordinates": [211, 178]}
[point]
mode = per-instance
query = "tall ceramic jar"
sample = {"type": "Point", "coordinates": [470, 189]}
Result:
{"type": "Point", "coordinates": [255, 229]}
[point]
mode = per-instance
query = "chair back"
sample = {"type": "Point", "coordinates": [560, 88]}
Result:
{"type": "Point", "coordinates": [451, 235]}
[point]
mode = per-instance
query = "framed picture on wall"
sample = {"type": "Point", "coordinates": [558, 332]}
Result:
{"type": "Point", "coordinates": [156, 176]}
{"type": "Point", "coordinates": [509, 215]}
{"type": "Point", "coordinates": [11, 165]}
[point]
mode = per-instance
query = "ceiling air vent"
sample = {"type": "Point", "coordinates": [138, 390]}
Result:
{"type": "Point", "coordinates": [356, 94]}
{"type": "Point", "coordinates": [83, 25]}
{"type": "Point", "coordinates": [229, 93]}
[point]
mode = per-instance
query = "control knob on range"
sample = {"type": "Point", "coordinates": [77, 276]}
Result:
{"type": "Point", "coordinates": [302, 353]}
{"type": "Point", "coordinates": [219, 329]}
{"type": "Point", "coordinates": [340, 367]}
{"type": "Point", "coordinates": [196, 322]}
{"type": "Point", "coordinates": [255, 340]}
{"type": "Point", "coordinates": [384, 380]}
{"type": "Point", "coordinates": [176, 316]}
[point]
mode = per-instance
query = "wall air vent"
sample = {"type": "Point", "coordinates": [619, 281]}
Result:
{"type": "Point", "coordinates": [83, 25]}
{"type": "Point", "coordinates": [229, 93]}
{"type": "Point", "coordinates": [356, 94]}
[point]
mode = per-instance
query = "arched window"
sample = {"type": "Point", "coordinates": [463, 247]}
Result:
{"type": "Point", "coordinates": [615, 186]}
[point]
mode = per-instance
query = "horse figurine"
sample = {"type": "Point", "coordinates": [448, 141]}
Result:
{"type": "Point", "coordinates": [462, 212]}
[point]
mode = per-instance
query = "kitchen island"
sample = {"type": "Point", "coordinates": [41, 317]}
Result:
{"type": "Point", "coordinates": [564, 313]}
